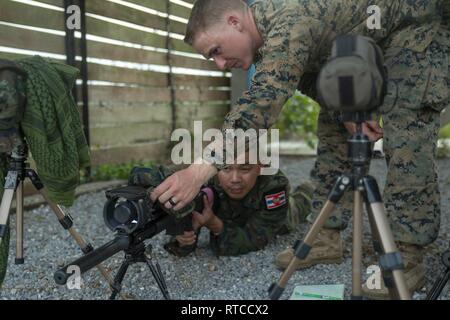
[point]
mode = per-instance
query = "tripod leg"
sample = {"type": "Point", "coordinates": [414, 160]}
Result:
{"type": "Point", "coordinates": [391, 261]}
{"type": "Point", "coordinates": [8, 195]}
{"type": "Point", "coordinates": [376, 240]}
{"type": "Point", "coordinates": [19, 224]}
{"type": "Point", "coordinates": [375, 236]}
{"type": "Point", "coordinates": [67, 223]}
{"type": "Point", "coordinates": [163, 280]}
{"type": "Point", "coordinates": [440, 284]}
{"type": "Point", "coordinates": [437, 288]}
{"type": "Point", "coordinates": [302, 248]}
{"type": "Point", "coordinates": [159, 277]}
{"type": "Point", "coordinates": [116, 287]}
{"type": "Point", "coordinates": [357, 246]}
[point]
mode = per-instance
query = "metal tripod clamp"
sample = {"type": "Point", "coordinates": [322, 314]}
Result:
{"type": "Point", "coordinates": [301, 249]}
{"type": "Point", "coordinates": [391, 261]}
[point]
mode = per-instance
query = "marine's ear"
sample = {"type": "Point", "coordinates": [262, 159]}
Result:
{"type": "Point", "coordinates": [234, 21]}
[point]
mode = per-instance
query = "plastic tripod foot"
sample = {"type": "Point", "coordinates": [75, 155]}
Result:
{"type": "Point", "coordinates": [275, 292]}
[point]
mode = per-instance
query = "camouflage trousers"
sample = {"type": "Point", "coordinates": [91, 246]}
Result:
{"type": "Point", "coordinates": [411, 194]}
{"type": "Point", "coordinates": [417, 91]}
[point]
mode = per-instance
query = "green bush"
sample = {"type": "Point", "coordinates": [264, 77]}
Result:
{"type": "Point", "coordinates": [298, 119]}
{"type": "Point", "coordinates": [445, 132]}
{"type": "Point", "coordinates": [106, 172]}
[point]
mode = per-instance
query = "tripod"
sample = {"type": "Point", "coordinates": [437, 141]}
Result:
{"type": "Point", "coordinates": [17, 173]}
{"type": "Point", "coordinates": [440, 284]}
{"type": "Point", "coordinates": [139, 253]}
{"type": "Point", "coordinates": [364, 187]}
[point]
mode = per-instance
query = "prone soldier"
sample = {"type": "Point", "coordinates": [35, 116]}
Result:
{"type": "Point", "coordinates": [248, 210]}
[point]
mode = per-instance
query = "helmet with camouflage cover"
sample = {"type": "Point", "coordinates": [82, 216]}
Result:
{"type": "Point", "coordinates": [12, 103]}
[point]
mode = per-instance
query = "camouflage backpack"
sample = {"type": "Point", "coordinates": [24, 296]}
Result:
{"type": "Point", "coordinates": [12, 102]}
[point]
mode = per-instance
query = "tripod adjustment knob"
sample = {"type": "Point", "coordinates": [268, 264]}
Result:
{"type": "Point", "coordinates": [446, 258]}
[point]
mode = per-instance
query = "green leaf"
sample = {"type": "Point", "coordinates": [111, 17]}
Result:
{"type": "Point", "coordinates": [298, 119]}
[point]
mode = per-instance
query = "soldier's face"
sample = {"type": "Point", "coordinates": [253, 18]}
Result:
{"type": "Point", "coordinates": [228, 44]}
{"type": "Point", "coordinates": [237, 180]}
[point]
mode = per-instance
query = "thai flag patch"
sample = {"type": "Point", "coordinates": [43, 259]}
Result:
{"type": "Point", "coordinates": [275, 200]}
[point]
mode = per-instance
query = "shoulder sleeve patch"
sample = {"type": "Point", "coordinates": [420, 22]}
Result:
{"type": "Point", "coordinates": [275, 200]}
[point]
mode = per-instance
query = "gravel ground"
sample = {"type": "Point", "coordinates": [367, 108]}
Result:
{"type": "Point", "coordinates": [199, 276]}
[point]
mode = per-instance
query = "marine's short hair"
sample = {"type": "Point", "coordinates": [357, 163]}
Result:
{"type": "Point", "coordinates": [207, 13]}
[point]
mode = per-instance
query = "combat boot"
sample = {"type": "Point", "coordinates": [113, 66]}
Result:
{"type": "Point", "coordinates": [326, 249]}
{"type": "Point", "coordinates": [174, 247]}
{"type": "Point", "coordinates": [414, 272]}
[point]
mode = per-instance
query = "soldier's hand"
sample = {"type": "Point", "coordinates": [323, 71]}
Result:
{"type": "Point", "coordinates": [207, 218]}
{"type": "Point", "coordinates": [371, 129]}
{"type": "Point", "coordinates": [187, 238]}
{"type": "Point", "coordinates": [182, 186]}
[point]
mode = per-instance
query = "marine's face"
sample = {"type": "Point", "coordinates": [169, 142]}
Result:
{"type": "Point", "coordinates": [227, 44]}
{"type": "Point", "coordinates": [237, 180]}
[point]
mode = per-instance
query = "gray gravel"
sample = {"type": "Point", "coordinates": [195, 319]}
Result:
{"type": "Point", "coordinates": [199, 276]}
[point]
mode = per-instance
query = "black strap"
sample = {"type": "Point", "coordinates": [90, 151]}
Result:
{"type": "Point", "coordinates": [346, 91]}
{"type": "Point", "coordinates": [345, 45]}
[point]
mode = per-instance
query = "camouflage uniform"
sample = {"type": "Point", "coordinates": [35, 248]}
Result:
{"type": "Point", "coordinates": [297, 41]}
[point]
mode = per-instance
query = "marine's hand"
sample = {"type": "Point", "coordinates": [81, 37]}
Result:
{"type": "Point", "coordinates": [182, 186]}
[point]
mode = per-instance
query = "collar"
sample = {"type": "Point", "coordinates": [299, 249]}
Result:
{"type": "Point", "coordinates": [258, 16]}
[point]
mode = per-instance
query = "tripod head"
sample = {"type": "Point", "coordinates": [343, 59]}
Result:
{"type": "Point", "coordinates": [359, 145]}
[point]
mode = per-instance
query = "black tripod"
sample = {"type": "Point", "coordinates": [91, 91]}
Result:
{"type": "Point", "coordinates": [442, 281]}
{"type": "Point", "coordinates": [364, 187]}
{"type": "Point", "coordinates": [17, 173]}
{"type": "Point", "coordinates": [134, 254]}
{"type": "Point", "coordinates": [135, 251]}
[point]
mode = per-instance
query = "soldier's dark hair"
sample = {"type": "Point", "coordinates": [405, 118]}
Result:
{"type": "Point", "coordinates": [207, 13]}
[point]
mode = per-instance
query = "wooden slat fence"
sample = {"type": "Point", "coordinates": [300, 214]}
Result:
{"type": "Point", "coordinates": [132, 107]}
